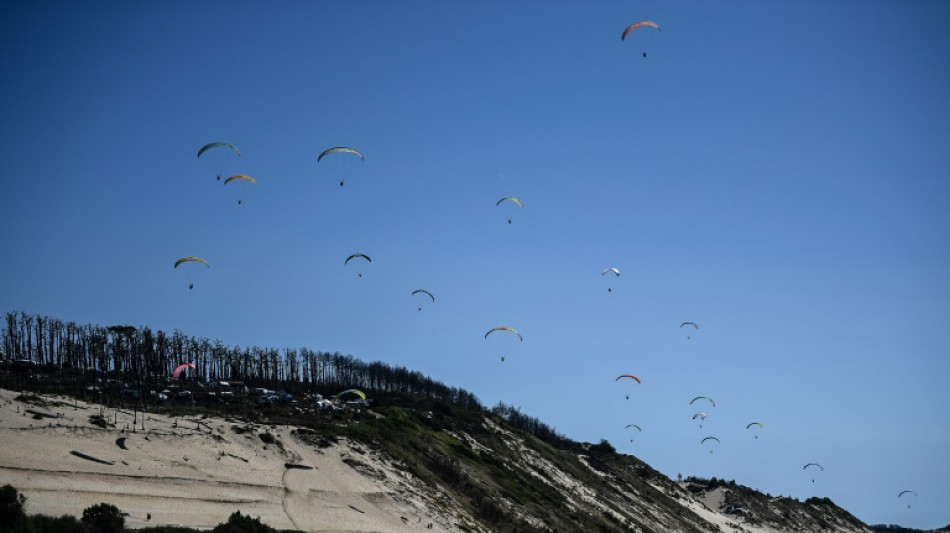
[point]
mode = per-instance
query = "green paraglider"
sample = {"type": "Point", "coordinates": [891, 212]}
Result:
{"type": "Point", "coordinates": [357, 392]}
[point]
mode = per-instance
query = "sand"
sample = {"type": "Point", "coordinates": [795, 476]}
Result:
{"type": "Point", "coordinates": [196, 472]}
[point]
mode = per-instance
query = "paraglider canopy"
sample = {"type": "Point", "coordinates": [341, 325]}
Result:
{"type": "Point", "coordinates": [713, 402]}
{"type": "Point", "coordinates": [364, 256]}
{"type": "Point", "coordinates": [641, 24]}
{"type": "Point", "coordinates": [631, 376]}
{"type": "Point", "coordinates": [504, 328]}
{"type": "Point", "coordinates": [340, 150]}
{"type": "Point", "coordinates": [240, 177]}
{"type": "Point", "coordinates": [181, 368]}
{"type": "Point", "coordinates": [209, 146]}
{"type": "Point", "coordinates": [191, 258]}
{"type": "Point", "coordinates": [512, 199]}
{"type": "Point", "coordinates": [423, 291]}
{"type": "Point", "coordinates": [357, 392]}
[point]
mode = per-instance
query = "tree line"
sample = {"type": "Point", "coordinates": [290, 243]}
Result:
{"type": "Point", "coordinates": [138, 355]}
{"type": "Point", "coordinates": [143, 356]}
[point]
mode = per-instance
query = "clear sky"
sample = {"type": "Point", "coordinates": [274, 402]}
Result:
{"type": "Point", "coordinates": [777, 172]}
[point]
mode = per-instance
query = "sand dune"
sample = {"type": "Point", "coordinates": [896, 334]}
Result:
{"type": "Point", "coordinates": [196, 473]}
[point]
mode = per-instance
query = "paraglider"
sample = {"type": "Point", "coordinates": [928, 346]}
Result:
{"type": "Point", "coordinates": [751, 424]}
{"type": "Point", "coordinates": [181, 368]}
{"type": "Point", "coordinates": [511, 199]}
{"type": "Point", "coordinates": [695, 326]}
{"type": "Point", "coordinates": [422, 291]}
{"type": "Point", "coordinates": [209, 146]}
{"type": "Point", "coordinates": [357, 392]}
{"type": "Point", "coordinates": [633, 426]}
{"type": "Point", "coordinates": [241, 177]}
{"type": "Point", "coordinates": [340, 150]}
{"type": "Point", "coordinates": [630, 376]}
{"type": "Point", "coordinates": [814, 465]}
{"type": "Point", "coordinates": [190, 259]}
{"type": "Point", "coordinates": [362, 256]}
{"type": "Point", "coordinates": [508, 329]}
{"type": "Point", "coordinates": [614, 270]}
{"type": "Point", "coordinates": [708, 439]}
{"type": "Point", "coordinates": [903, 492]}
{"type": "Point", "coordinates": [635, 25]}
{"type": "Point", "coordinates": [701, 416]}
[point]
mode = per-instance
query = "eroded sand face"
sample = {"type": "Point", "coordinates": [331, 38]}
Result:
{"type": "Point", "coordinates": [196, 473]}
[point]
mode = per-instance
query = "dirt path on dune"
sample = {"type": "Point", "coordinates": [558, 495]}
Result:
{"type": "Point", "coordinates": [295, 483]}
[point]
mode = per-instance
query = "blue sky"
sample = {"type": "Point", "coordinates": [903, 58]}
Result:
{"type": "Point", "coordinates": [777, 173]}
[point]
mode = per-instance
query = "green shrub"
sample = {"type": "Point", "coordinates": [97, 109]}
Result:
{"type": "Point", "coordinates": [238, 523]}
{"type": "Point", "coordinates": [104, 518]}
{"type": "Point", "coordinates": [11, 508]}
{"type": "Point", "coordinates": [63, 524]}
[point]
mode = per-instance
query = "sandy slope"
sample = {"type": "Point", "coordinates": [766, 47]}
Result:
{"type": "Point", "coordinates": [197, 472]}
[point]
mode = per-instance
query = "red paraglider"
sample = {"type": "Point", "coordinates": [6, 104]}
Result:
{"type": "Point", "coordinates": [181, 368]}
